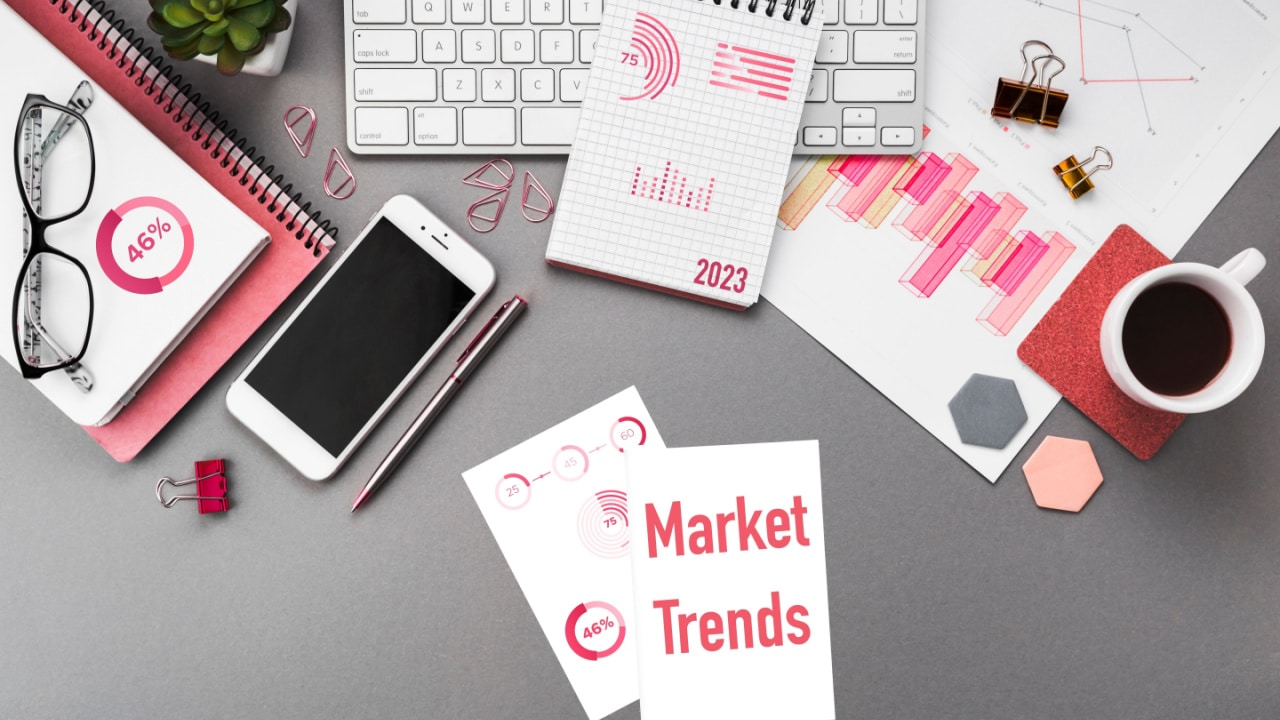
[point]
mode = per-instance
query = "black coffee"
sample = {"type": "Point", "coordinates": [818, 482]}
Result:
{"type": "Point", "coordinates": [1176, 338]}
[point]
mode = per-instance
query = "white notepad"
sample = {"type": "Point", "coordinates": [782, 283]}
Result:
{"type": "Point", "coordinates": [159, 243]}
{"type": "Point", "coordinates": [683, 144]}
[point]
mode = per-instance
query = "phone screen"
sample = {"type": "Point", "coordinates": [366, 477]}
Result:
{"type": "Point", "coordinates": [344, 355]}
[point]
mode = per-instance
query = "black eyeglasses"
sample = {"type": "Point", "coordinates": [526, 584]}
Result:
{"type": "Point", "coordinates": [54, 188]}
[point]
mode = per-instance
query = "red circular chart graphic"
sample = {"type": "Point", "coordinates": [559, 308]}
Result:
{"type": "Point", "coordinates": [145, 244]}
{"type": "Point", "coordinates": [513, 491]}
{"type": "Point", "coordinates": [627, 432]}
{"type": "Point", "coordinates": [603, 526]}
{"type": "Point", "coordinates": [595, 630]}
{"type": "Point", "coordinates": [570, 463]}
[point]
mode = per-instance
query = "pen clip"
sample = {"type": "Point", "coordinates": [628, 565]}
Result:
{"type": "Point", "coordinates": [484, 331]}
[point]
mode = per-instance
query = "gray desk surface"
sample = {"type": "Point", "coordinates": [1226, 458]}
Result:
{"type": "Point", "coordinates": [950, 597]}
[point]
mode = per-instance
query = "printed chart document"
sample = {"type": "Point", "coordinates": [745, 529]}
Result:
{"type": "Point", "coordinates": [941, 264]}
{"type": "Point", "coordinates": [731, 582]}
{"type": "Point", "coordinates": [557, 505]}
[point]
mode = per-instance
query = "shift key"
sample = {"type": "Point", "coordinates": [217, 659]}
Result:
{"type": "Point", "coordinates": [385, 46]}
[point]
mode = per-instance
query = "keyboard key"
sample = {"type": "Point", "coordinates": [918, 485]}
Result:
{"type": "Point", "coordinates": [428, 12]}
{"type": "Point", "coordinates": [833, 47]}
{"type": "Point", "coordinates": [884, 46]}
{"type": "Point", "coordinates": [548, 126]}
{"type": "Point", "coordinates": [858, 117]}
{"type": "Point", "coordinates": [861, 12]}
{"type": "Point", "coordinates": [439, 46]}
{"type": "Point", "coordinates": [587, 45]}
{"type": "Point", "coordinates": [573, 84]}
{"type": "Point", "coordinates": [817, 86]}
{"type": "Point", "coordinates": [498, 85]}
{"type": "Point", "coordinates": [506, 12]}
{"type": "Point", "coordinates": [467, 12]}
{"type": "Point", "coordinates": [382, 126]}
{"type": "Point", "coordinates": [373, 46]}
{"type": "Point", "coordinates": [546, 12]}
{"type": "Point", "coordinates": [819, 136]}
{"type": "Point", "coordinates": [557, 46]}
{"type": "Point", "coordinates": [459, 85]}
{"type": "Point", "coordinates": [479, 46]}
{"type": "Point", "coordinates": [897, 136]}
{"type": "Point", "coordinates": [537, 85]}
{"type": "Point", "coordinates": [874, 86]}
{"type": "Point", "coordinates": [859, 137]}
{"type": "Point", "coordinates": [377, 11]}
{"type": "Point", "coordinates": [830, 13]}
{"type": "Point", "coordinates": [435, 126]}
{"type": "Point", "coordinates": [517, 46]}
{"type": "Point", "coordinates": [585, 12]}
{"type": "Point", "coordinates": [413, 84]}
{"type": "Point", "coordinates": [899, 12]}
{"type": "Point", "coordinates": [489, 126]}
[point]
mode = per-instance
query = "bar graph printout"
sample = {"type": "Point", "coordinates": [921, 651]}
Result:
{"type": "Point", "coordinates": [942, 262]}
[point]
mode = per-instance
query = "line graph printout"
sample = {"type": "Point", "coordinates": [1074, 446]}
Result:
{"type": "Point", "coordinates": [557, 506]}
{"type": "Point", "coordinates": [683, 143]}
{"type": "Point", "coordinates": [942, 262]}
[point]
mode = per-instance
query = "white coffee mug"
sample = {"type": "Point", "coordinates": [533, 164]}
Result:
{"type": "Point", "coordinates": [1226, 286]}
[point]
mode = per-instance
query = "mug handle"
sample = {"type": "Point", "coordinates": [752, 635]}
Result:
{"type": "Point", "coordinates": [1245, 266]}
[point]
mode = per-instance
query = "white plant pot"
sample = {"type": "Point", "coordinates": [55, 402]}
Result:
{"type": "Point", "coordinates": [270, 61]}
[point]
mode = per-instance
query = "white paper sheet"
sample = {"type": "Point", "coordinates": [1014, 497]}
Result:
{"type": "Point", "coordinates": [557, 505]}
{"type": "Point", "coordinates": [1182, 93]}
{"type": "Point", "coordinates": [731, 582]}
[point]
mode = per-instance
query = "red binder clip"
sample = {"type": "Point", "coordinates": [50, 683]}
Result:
{"type": "Point", "coordinates": [211, 487]}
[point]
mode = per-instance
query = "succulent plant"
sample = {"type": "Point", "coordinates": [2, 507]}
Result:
{"type": "Point", "coordinates": [230, 29]}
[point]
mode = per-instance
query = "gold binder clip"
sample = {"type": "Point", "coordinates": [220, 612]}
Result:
{"type": "Point", "coordinates": [1017, 99]}
{"type": "Point", "coordinates": [1074, 176]}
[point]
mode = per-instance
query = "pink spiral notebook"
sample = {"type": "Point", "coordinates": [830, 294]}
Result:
{"type": "Point", "coordinates": [113, 57]}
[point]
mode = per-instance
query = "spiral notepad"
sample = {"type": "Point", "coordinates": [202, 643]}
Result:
{"type": "Point", "coordinates": [117, 61]}
{"type": "Point", "coordinates": [683, 144]}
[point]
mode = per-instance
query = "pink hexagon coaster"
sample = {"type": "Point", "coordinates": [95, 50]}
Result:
{"type": "Point", "coordinates": [1063, 474]}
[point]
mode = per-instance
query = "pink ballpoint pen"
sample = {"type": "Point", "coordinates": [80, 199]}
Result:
{"type": "Point", "coordinates": [484, 341]}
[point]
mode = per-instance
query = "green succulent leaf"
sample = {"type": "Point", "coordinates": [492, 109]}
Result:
{"type": "Point", "coordinates": [210, 45]}
{"type": "Point", "coordinates": [179, 15]}
{"type": "Point", "coordinates": [280, 24]}
{"type": "Point", "coordinates": [157, 5]}
{"type": "Point", "coordinates": [230, 60]}
{"type": "Point", "coordinates": [258, 15]}
{"type": "Point", "coordinates": [185, 51]}
{"type": "Point", "coordinates": [218, 29]}
{"type": "Point", "coordinates": [180, 36]}
{"type": "Point", "coordinates": [240, 4]}
{"type": "Point", "coordinates": [202, 6]}
{"type": "Point", "coordinates": [242, 35]}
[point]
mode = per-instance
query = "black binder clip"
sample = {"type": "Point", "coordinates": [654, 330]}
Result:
{"type": "Point", "coordinates": [1075, 177]}
{"type": "Point", "coordinates": [1026, 100]}
{"type": "Point", "coordinates": [211, 487]}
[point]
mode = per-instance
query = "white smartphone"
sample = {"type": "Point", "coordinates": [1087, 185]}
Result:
{"type": "Point", "coordinates": [360, 338]}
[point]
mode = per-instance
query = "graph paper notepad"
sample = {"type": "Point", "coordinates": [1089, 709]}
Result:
{"type": "Point", "coordinates": [683, 144]}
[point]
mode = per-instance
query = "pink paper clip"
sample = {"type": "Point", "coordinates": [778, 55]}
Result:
{"type": "Point", "coordinates": [482, 177]}
{"type": "Point", "coordinates": [348, 183]}
{"type": "Point", "coordinates": [211, 487]}
{"type": "Point", "coordinates": [541, 212]}
{"type": "Point", "coordinates": [487, 223]}
{"type": "Point", "coordinates": [292, 117]}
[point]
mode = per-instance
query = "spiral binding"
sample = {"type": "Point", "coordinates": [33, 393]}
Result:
{"type": "Point", "coordinates": [787, 11]}
{"type": "Point", "coordinates": [183, 105]}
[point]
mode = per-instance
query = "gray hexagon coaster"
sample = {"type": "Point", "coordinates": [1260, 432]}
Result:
{"type": "Point", "coordinates": [988, 411]}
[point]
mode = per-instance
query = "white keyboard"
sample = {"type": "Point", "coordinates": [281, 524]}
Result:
{"type": "Point", "coordinates": [480, 77]}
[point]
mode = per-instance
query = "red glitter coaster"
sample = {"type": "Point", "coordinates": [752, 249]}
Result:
{"type": "Point", "coordinates": [1064, 348]}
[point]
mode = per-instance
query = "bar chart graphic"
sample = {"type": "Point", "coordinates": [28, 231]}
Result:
{"type": "Point", "coordinates": [961, 231]}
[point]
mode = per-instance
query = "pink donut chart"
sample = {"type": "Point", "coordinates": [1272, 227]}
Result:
{"type": "Point", "coordinates": [609, 623]}
{"type": "Point", "coordinates": [122, 225]}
